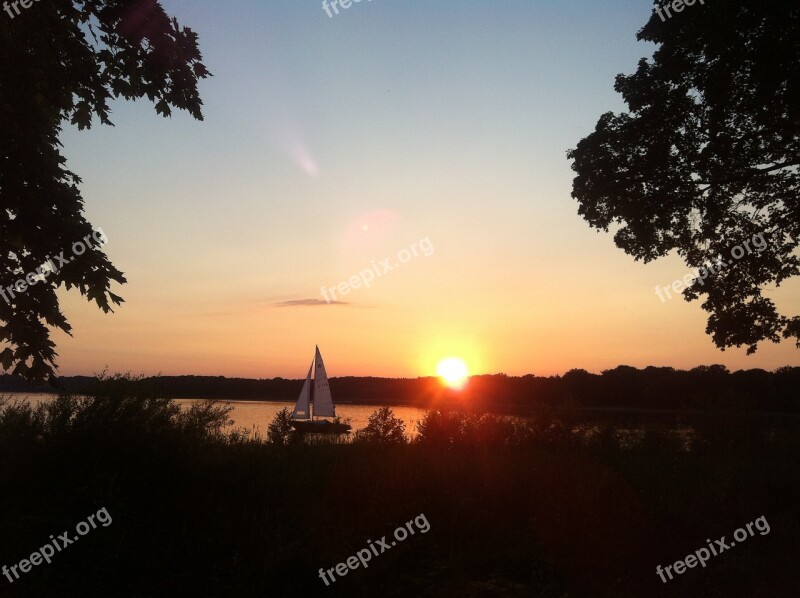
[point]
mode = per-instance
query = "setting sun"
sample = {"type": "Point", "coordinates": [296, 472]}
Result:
{"type": "Point", "coordinates": [453, 372]}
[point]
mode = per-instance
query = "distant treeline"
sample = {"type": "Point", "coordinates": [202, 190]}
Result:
{"type": "Point", "coordinates": [702, 388]}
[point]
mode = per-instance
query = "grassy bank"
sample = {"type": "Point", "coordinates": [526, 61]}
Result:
{"type": "Point", "coordinates": [533, 510]}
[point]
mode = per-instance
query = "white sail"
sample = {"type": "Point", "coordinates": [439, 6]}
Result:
{"type": "Point", "coordinates": [301, 407]}
{"type": "Point", "coordinates": [323, 403]}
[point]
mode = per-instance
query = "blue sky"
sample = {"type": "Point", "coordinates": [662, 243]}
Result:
{"type": "Point", "coordinates": [440, 120]}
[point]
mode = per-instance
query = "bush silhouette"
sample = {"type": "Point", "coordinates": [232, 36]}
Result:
{"type": "Point", "coordinates": [383, 427]}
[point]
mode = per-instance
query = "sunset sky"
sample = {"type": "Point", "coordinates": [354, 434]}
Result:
{"type": "Point", "coordinates": [331, 144]}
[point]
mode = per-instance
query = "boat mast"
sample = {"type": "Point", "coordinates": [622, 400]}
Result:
{"type": "Point", "coordinates": [313, 384]}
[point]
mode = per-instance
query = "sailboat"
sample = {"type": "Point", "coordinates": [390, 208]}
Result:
{"type": "Point", "coordinates": [316, 393]}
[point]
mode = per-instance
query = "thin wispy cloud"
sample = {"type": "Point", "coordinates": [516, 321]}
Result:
{"type": "Point", "coordinates": [307, 303]}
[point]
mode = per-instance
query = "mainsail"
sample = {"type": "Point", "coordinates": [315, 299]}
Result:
{"type": "Point", "coordinates": [301, 407]}
{"type": "Point", "coordinates": [316, 398]}
{"type": "Point", "coordinates": [323, 403]}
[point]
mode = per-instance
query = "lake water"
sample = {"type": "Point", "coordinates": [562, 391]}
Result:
{"type": "Point", "coordinates": [256, 415]}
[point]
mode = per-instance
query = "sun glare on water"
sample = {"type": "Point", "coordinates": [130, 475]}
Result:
{"type": "Point", "coordinates": [453, 372]}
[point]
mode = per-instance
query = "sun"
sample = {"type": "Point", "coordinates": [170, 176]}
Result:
{"type": "Point", "coordinates": [453, 372]}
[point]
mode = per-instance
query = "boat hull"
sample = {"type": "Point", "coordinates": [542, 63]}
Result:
{"type": "Point", "coordinates": [320, 427]}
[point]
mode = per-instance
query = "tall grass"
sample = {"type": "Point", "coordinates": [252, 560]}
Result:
{"type": "Point", "coordinates": [538, 507]}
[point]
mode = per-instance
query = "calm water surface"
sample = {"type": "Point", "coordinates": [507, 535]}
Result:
{"type": "Point", "coordinates": [256, 416]}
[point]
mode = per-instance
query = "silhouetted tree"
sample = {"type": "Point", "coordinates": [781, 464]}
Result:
{"type": "Point", "coordinates": [383, 427]}
{"type": "Point", "coordinates": [279, 430]}
{"type": "Point", "coordinates": [706, 159]}
{"type": "Point", "coordinates": [64, 61]}
{"type": "Point", "coordinates": [440, 428]}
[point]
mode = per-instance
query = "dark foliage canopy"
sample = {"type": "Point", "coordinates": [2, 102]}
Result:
{"type": "Point", "coordinates": [64, 62]}
{"type": "Point", "coordinates": [706, 158]}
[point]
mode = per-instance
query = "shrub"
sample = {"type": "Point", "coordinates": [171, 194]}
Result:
{"type": "Point", "coordinates": [383, 427]}
{"type": "Point", "coordinates": [280, 431]}
{"type": "Point", "coordinates": [441, 428]}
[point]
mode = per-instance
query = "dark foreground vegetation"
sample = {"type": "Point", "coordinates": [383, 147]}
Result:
{"type": "Point", "coordinates": [541, 507]}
